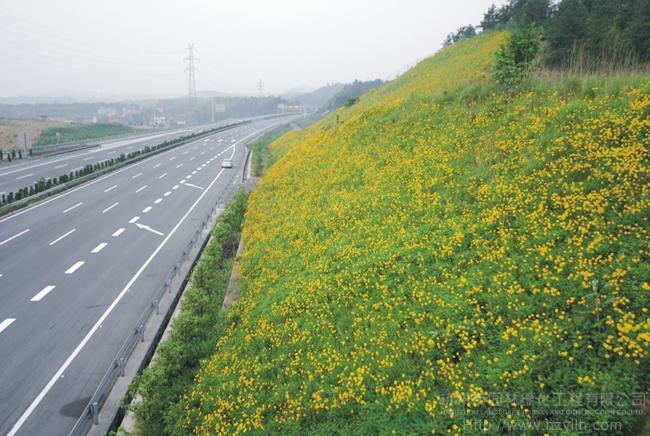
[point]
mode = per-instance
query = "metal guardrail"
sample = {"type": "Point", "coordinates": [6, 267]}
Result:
{"type": "Point", "coordinates": [78, 181]}
{"type": "Point", "coordinates": [137, 334]}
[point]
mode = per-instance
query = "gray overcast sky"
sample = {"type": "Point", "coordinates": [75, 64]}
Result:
{"type": "Point", "coordinates": [127, 48]}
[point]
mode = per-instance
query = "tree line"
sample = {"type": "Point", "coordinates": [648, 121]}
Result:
{"type": "Point", "coordinates": [616, 30]}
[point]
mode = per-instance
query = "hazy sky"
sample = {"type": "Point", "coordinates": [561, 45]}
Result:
{"type": "Point", "coordinates": [133, 48]}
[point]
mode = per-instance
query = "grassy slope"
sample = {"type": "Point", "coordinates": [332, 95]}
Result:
{"type": "Point", "coordinates": [439, 245]}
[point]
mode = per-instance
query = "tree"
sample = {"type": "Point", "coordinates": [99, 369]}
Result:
{"type": "Point", "coordinates": [637, 32]}
{"type": "Point", "coordinates": [514, 59]}
{"type": "Point", "coordinates": [568, 27]}
{"type": "Point", "coordinates": [491, 19]}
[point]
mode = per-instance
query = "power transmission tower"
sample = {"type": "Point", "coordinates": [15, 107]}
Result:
{"type": "Point", "coordinates": [191, 69]}
{"type": "Point", "coordinates": [260, 87]}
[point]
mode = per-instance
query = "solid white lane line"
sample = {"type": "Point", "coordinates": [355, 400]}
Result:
{"type": "Point", "coordinates": [15, 236]}
{"type": "Point", "coordinates": [74, 267]}
{"type": "Point", "coordinates": [57, 240]}
{"type": "Point", "coordinates": [139, 174]}
{"type": "Point", "coordinates": [162, 176]}
{"type": "Point", "coordinates": [147, 209]}
{"type": "Point", "coordinates": [76, 205]}
{"type": "Point", "coordinates": [157, 166]}
{"type": "Point", "coordinates": [167, 193]}
{"type": "Point", "coordinates": [112, 187]}
{"type": "Point", "coordinates": [60, 166]}
{"type": "Point", "coordinates": [99, 247]}
{"type": "Point", "coordinates": [134, 219]}
{"type": "Point", "coordinates": [179, 166]}
{"type": "Point", "coordinates": [157, 201]}
{"type": "Point", "coordinates": [43, 293]}
{"type": "Point", "coordinates": [22, 177]}
{"type": "Point", "coordinates": [119, 232]}
{"type": "Point", "coordinates": [140, 189]}
{"type": "Point", "coordinates": [175, 187]}
{"type": "Point", "coordinates": [88, 158]}
{"type": "Point", "coordinates": [6, 323]}
{"type": "Point", "coordinates": [106, 210]}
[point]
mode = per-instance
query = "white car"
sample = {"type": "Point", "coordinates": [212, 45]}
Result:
{"type": "Point", "coordinates": [227, 163]}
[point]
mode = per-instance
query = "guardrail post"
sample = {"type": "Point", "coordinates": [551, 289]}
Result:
{"type": "Point", "coordinates": [120, 365]}
{"type": "Point", "coordinates": [169, 286]}
{"type": "Point", "coordinates": [155, 303]}
{"type": "Point", "coordinates": [141, 332]}
{"type": "Point", "coordinates": [95, 411]}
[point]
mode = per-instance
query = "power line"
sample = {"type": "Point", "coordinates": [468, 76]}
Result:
{"type": "Point", "coordinates": [76, 38]}
{"type": "Point", "coordinates": [107, 72]}
{"type": "Point", "coordinates": [81, 54]}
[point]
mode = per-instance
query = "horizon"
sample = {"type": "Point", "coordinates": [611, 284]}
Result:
{"type": "Point", "coordinates": [77, 49]}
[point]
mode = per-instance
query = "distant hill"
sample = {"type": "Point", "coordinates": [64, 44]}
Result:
{"type": "Point", "coordinates": [320, 96]}
{"type": "Point", "coordinates": [351, 90]}
{"type": "Point", "coordinates": [212, 94]}
{"type": "Point", "coordinates": [298, 90]}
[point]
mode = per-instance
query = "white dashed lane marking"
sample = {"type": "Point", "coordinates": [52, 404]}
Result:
{"type": "Point", "coordinates": [15, 236]}
{"type": "Point", "coordinates": [140, 189]}
{"type": "Point", "coordinates": [6, 323]}
{"type": "Point", "coordinates": [119, 232]}
{"type": "Point", "coordinates": [134, 219]}
{"type": "Point", "coordinates": [57, 240]}
{"type": "Point", "coordinates": [43, 293]}
{"type": "Point", "coordinates": [99, 247]}
{"type": "Point", "coordinates": [74, 267]}
{"type": "Point", "coordinates": [147, 209]}
{"type": "Point", "coordinates": [106, 210]}
{"type": "Point", "coordinates": [111, 188]}
{"type": "Point", "coordinates": [157, 201]}
{"type": "Point", "coordinates": [76, 205]}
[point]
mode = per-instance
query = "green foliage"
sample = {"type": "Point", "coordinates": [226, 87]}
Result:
{"type": "Point", "coordinates": [464, 32]}
{"type": "Point", "coordinates": [428, 253]}
{"type": "Point", "coordinates": [514, 59]}
{"type": "Point", "coordinates": [195, 332]}
{"type": "Point", "coordinates": [351, 101]}
{"type": "Point", "coordinates": [261, 159]}
{"type": "Point", "coordinates": [80, 132]}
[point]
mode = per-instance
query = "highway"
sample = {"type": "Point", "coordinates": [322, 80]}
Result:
{"type": "Point", "coordinates": [24, 173]}
{"type": "Point", "coordinates": [78, 269]}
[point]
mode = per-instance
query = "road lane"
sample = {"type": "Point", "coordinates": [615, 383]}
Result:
{"type": "Point", "coordinates": [78, 294]}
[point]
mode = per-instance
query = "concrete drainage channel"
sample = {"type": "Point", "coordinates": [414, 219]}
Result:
{"type": "Point", "coordinates": [103, 412]}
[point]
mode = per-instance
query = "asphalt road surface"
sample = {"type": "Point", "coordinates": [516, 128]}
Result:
{"type": "Point", "coordinates": [77, 271]}
{"type": "Point", "coordinates": [23, 174]}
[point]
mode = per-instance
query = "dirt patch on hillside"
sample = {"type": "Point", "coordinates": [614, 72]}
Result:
{"type": "Point", "coordinates": [9, 130]}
